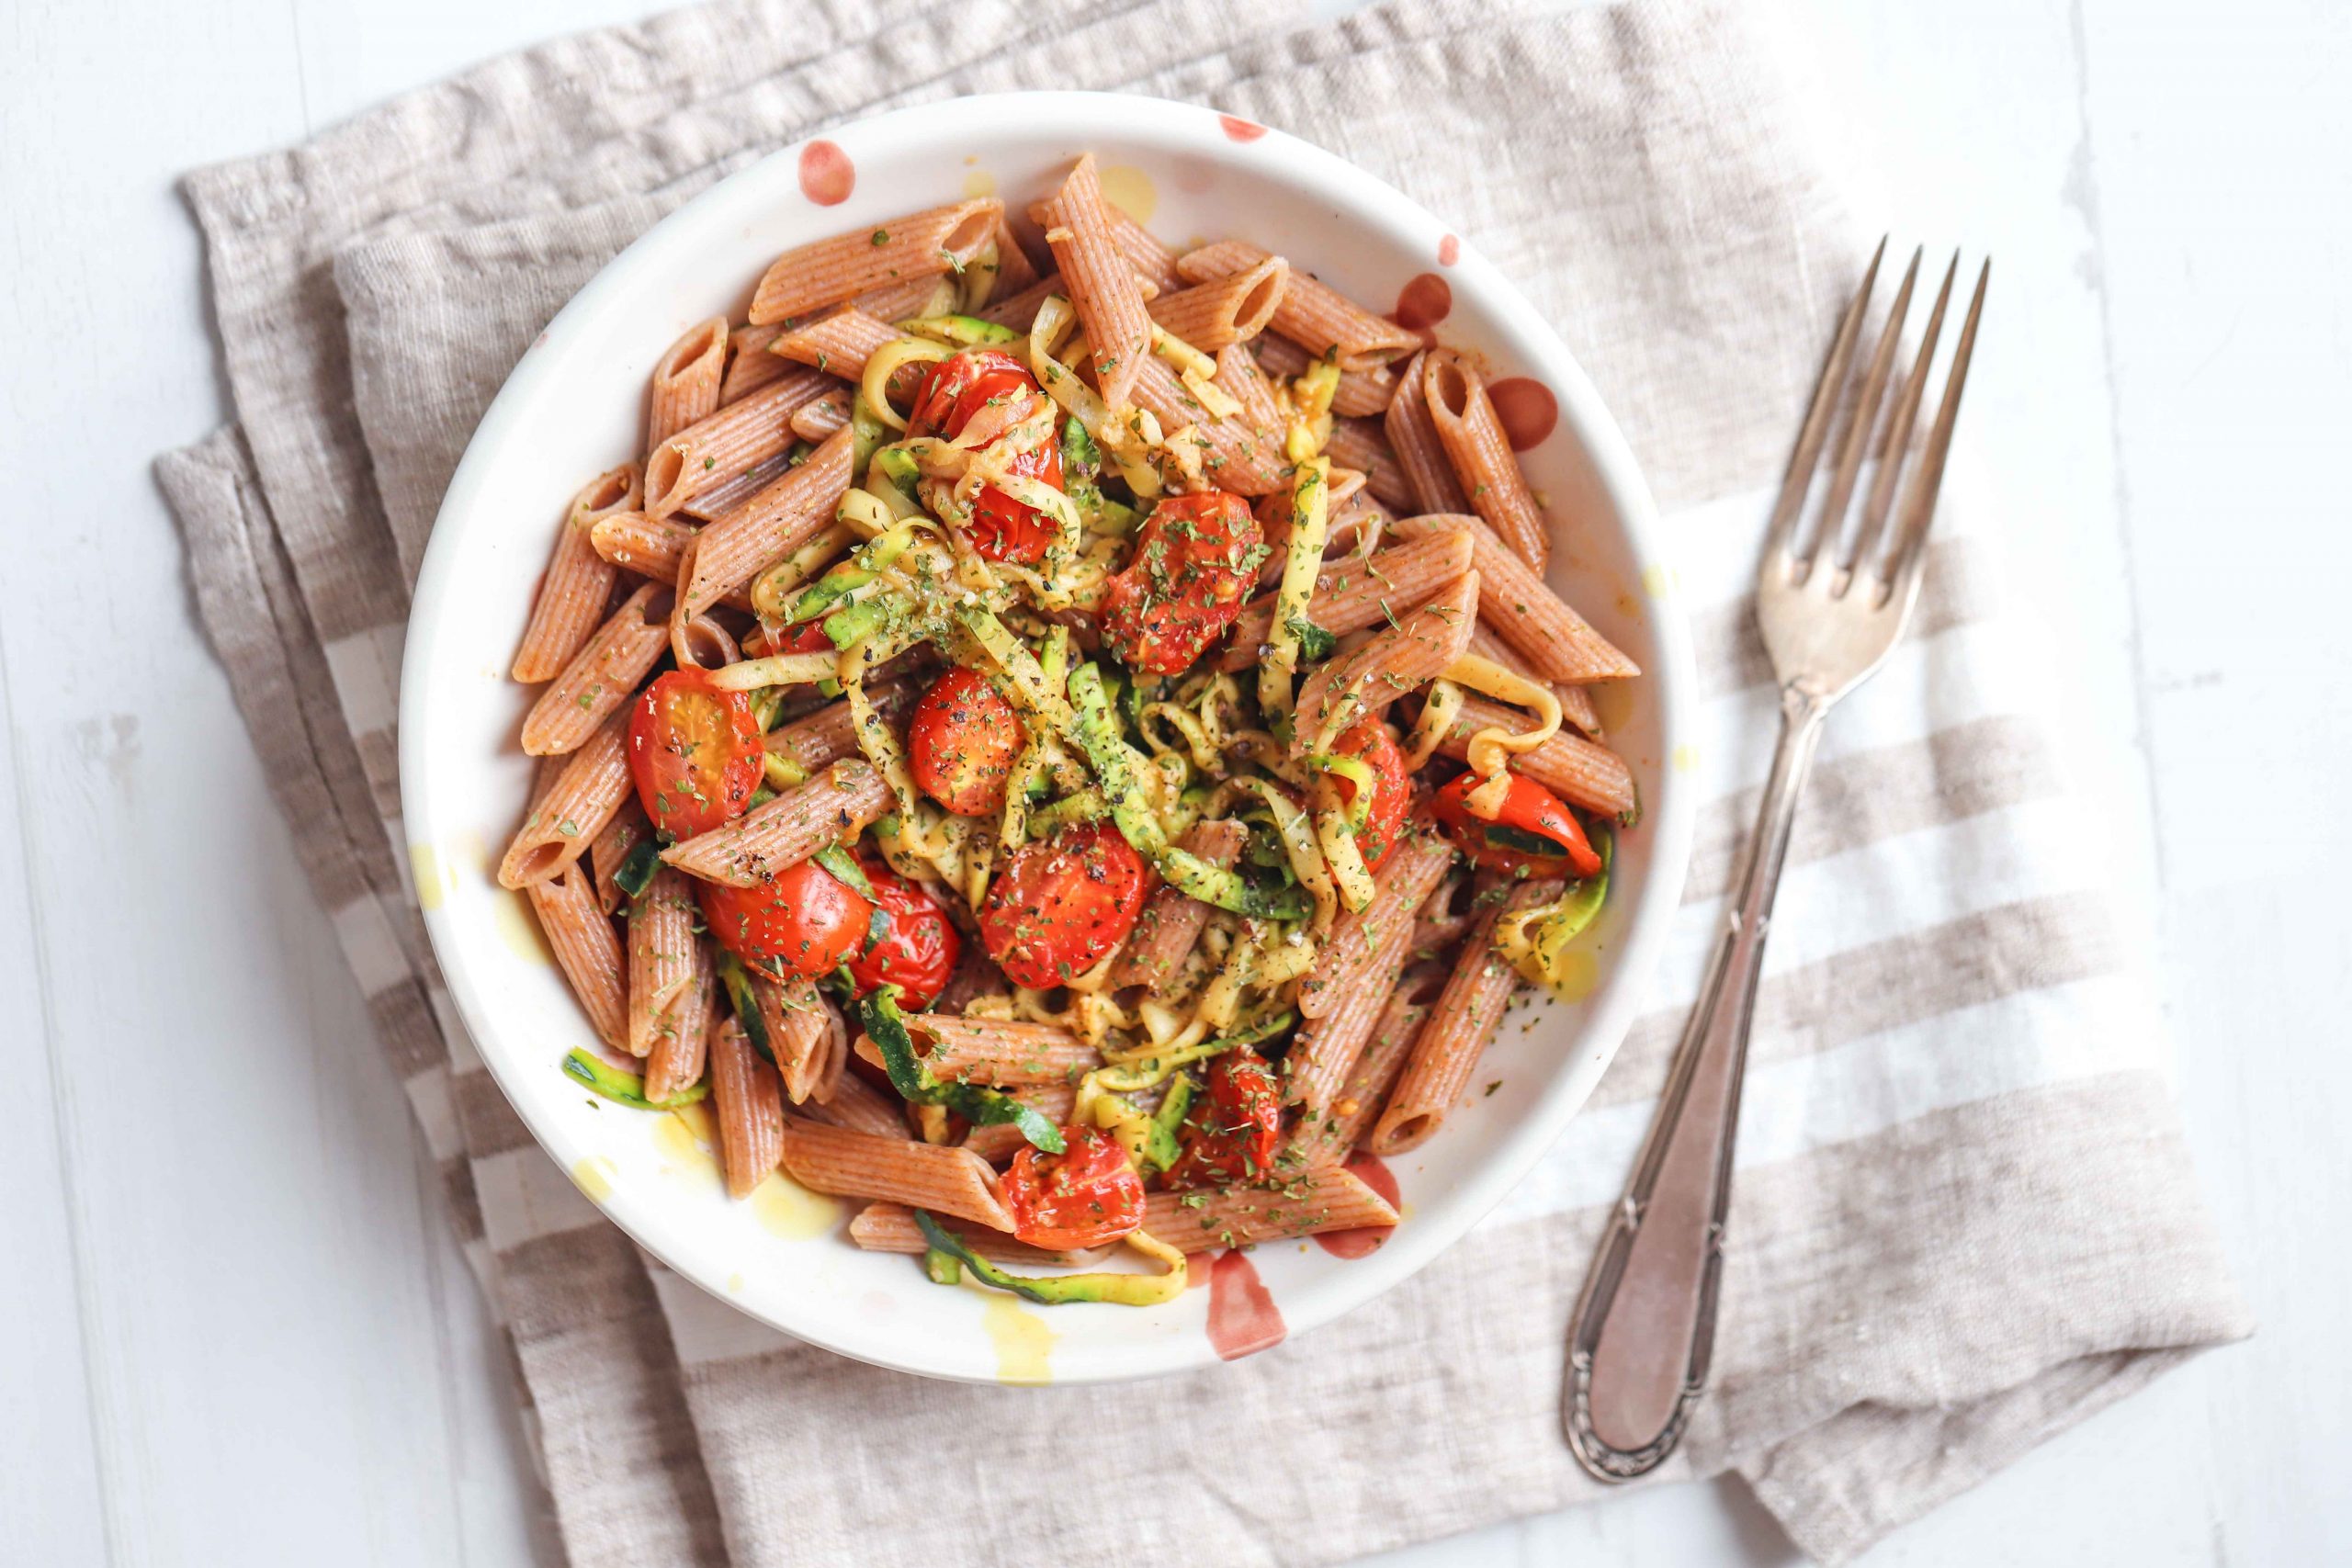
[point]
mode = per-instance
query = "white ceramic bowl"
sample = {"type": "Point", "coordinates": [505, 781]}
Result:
{"type": "Point", "coordinates": [575, 406]}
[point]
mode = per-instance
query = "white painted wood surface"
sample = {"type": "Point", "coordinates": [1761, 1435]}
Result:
{"type": "Point", "coordinates": [239, 1330]}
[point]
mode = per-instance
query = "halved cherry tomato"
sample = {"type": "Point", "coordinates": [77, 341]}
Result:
{"type": "Point", "coordinates": [1535, 829]}
{"type": "Point", "coordinates": [804, 920]}
{"type": "Point", "coordinates": [952, 391]}
{"type": "Point", "coordinates": [962, 743]}
{"type": "Point", "coordinates": [807, 636]}
{"type": "Point", "coordinates": [695, 751]}
{"type": "Point", "coordinates": [1231, 1134]}
{"type": "Point", "coordinates": [1391, 791]}
{"type": "Point", "coordinates": [915, 946]}
{"type": "Point", "coordinates": [1060, 903]}
{"type": "Point", "coordinates": [1084, 1196]}
{"type": "Point", "coordinates": [1195, 561]}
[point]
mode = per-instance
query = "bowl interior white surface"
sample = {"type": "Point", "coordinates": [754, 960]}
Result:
{"type": "Point", "coordinates": [575, 405]}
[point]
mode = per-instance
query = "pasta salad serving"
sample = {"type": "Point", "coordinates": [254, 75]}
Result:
{"type": "Point", "coordinates": [1063, 741]}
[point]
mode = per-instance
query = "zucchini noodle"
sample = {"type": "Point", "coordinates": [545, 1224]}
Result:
{"type": "Point", "coordinates": [1128, 438]}
{"type": "Point", "coordinates": [885, 361]}
{"type": "Point", "coordinates": [1309, 525]}
{"type": "Point", "coordinates": [1297, 831]}
{"type": "Point", "coordinates": [1439, 708]}
{"type": "Point", "coordinates": [1197, 371]}
{"type": "Point", "coordinates": [1491, 748]}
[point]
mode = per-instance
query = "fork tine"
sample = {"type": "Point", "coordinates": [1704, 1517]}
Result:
{"type": "Point", "coordinates": [1920, 498]}
{"type": "Point", "coordinates": [1816, 431]}
{"type": "Point", "coordinates": [1896, 439]}
{"type": "Point", "coordinates": [1864, 421]}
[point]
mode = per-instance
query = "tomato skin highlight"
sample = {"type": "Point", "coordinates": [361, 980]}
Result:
{"type": "Point", "coordinates": [1528, 808]}
{"type": "Point", "coordinates": [695, 752]}
{"type": "Point", "coordinates": [1194, 565]}
{"type": "Point", "coordinates": [962, 743]}
{"type": "Point", "coordinates": [919, 948]}
{"type": "Point", "coordinates": [1392, 792]}
{"type": "Point", "coordinates": [1084, 1196]}
{"type": "Point", "coordinates": [1232, 1131]}
{"type": "Point", "coordinates": [952, 391]}
{"type": "Point", "coordinates": [1061, 904]}
{"type": "Point", "coordinates": [804, 920]}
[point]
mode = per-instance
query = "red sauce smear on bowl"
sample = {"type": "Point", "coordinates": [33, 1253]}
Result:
{"type": "Point", "coordinates": [1526, 407]}
{"type": "Point", "coordinates": [1240, 129]}
{"type": "Point", "coordinates": [1449, 249]}
{"type": "Point", "coordinates": [1423, 303]}
{"type": "Point", "coordinates": [1364, 1240]}
{"type": "Point", "coordinates": [827, 176]}
{"type": "Point", "coordinates": [1243, 1319]}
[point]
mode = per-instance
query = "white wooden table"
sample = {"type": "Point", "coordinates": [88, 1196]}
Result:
{"type": "Point", "coordinates": [239, 1331]}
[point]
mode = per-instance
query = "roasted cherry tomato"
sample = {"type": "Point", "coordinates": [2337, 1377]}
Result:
{"type": "Point", "coordinates": [962, 743]}
{"type": "Point", "coordinates": [1060, 903]}
{"type": "Point", "coordinates": [804, 920]}
{"type": "Point", "coordinates": [914, 945]}
{"type": "Point", "coordinates": [808, 636]}
{"type": "Point", "coordinates": [1084, 1196]}
{"type": "Point", "coordinates": [1196, 562]}
{"type": "Point", "coordinates": [952, 391]}
{"type": "Point", "coordinates": [1370, 743]}
{"type": "Point", "coordinates": [1231, 1132]}
{"type": "Point", "coordinates": [1533, 829]}
{"type": "Point", "coordinates": [695, 751]}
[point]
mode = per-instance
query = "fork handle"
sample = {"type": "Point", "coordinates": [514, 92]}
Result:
{"type": "Point", "coordinates": [1643, 1331]}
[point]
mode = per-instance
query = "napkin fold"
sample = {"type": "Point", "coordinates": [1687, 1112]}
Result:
{"type": "Point", "coordinates": [1966, 1217]}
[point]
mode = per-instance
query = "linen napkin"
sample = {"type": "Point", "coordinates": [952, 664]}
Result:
{"type": "Point", "coordinates": [1966, 1217]}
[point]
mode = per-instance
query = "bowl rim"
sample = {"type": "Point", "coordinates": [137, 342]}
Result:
{"type": "Point", "coordinates": [1352, 195]}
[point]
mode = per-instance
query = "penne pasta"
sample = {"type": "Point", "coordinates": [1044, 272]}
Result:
{"type": "Point", "coordinates": [1421, 454]}
{"type": "Point", "coordinates": [1153, 262]}
{"type": "Point", "coordinates": [741, 436]}
{"type": "Point", "coordinates": [747, 1106]}
{"type": "Point", "coordinates": [998, 1142]}
{"type": "Point", "coordinates": [1556, 642]}
{"type": "Point", "coordinates": [687, 381]}
{"type": "Point", "coordinates": [611, 847]}
{"type": "Point", "coordinates": [1361, 684]}
{"type": "Point", "coordinates": [917, 246]}
{"type": "Point", "coordinates": [833, 807]}
{"type": "Point", "coordinates": [1360, 444]}
{"type": "Point", "coordinates": [1358, 936]}
{"type": "Point", "coordinates": [1361, 393]}
{"type": "Point", "coordinates": [1239, 377]}
{"type": "Point", "coordinates": [681, 1035]}
{"type": "Point", "coordinates": [1224, 311]}
{"type": "Point", "coordinates": [1576, 702]}
{"type": "Point", "coordinates": [1101, 282]}
{"type": "Point", "coordinates": [1233, 455]}
{"type": "Point", "coordinates": [1328, 1137]}
{"type": "Point", "coordinates": [589, 789]}
{"type": "Point", "coordinates": [934, 1176]}
{"type": "Point", "coordinates": [763, 529]}
{"type": "Point", "coordinates": [837, 341]}
{"type": "Point", "coordinates": [1353, 591]}
{"type": "Point", "coordinates": [890, 1227]}
{"type": "Point", "coordinates": [662, 955]}
{"type": "Point", "coordinates": [815, 422]}
{"type": "Point", "coordinates": [1316, 1199]}
{"type": "Point", "coordinates": [1014, 269]}
{"type": "Point", "coordinates": [1325, 1051]}
{"type": "Point", "coordinates": [1580, 772]}
{"type": "Point", "coordinates": [860, 1107]}
{"type": "Point", "coordinates": [1317, 317]}
{"type": "Point", "coordinates": [1483, 461]}
{"type": "Point", "coordinates": [601, 676]}
{"type": "Point", "coordinates": [750, 366]}
{"type": "Point", "coordinates": [1171, 923]}
{"type": "Point", "coordinates": [1465, 1018]}
{"type": "Point", "coordinates": [828, 734]}
{"type": "Point", "coordinates": [580, 933]}
{"type": "Point", "coordinates": [805, 1035]}
{"type": "Point", "coordinates": [996, 1052]}
{"type": "Point", "coordinates": [578, 581]}
{"type": "Point", "coordinates": [1019, 311]}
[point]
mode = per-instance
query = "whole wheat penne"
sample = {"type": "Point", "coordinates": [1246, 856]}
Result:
{"type": "Point", "coordinates": [999, 1141]}
{"type": "Point", "coordinates": [603, 675]}
{"type": "Point", "coordinates": [1361, 684]}
{"type": "Point", "coordinates": [1319, 1199]}
{"type": "Point", "coordinates": [728, 552]}
{"type": "Point", "coordinates": [1239, 377]}
{"type": "Point", "coordinates": [1171, 921]}
{"type": "Point", "coordinates": [579, 581]}
{"type": "Point", "coordinates": [1326, 1138]}
{"type": "Point", "coordinates": [890, 1227]}
{"type": "Point", "coordinates": [1357, 937]}
{"type": "Point", "coordinates": [1224, 311]}
{"type": "Point", "coordinates": [662, 953]}
{"type": "Point", "coordinates": [1233, 455]}
{"type": "Point", "coordinates": [1576, 702]}
{"type": "Point", "coordinates": [837, 341]}
{"type": "Point", "coordinates": [817, 739]}
{"type": "Point", "coordinates": [1000, 1052]}
{"type": "Point", "coordinates": [814, 421]}
{"type": "Point", "coordinates": [1325, 1051]}
{"type": "Point", "coordinates": [687, 381]}
{"type": "Point", "coordinates": [738, 438]}
{"type": "Point", "coordinates": [1101, 282]}
{"type": "Point", "coordinates": [708, 506]}
{"type": "Point", "coordinates": [611, 847]}
{"type": "Point", "coordinates": [1353, 592]}
{"type": "Point", "coordinates": [681, 1035]}
{"type": "Point", "coordinates": [1421, 454]}
{"type": "Point", "coordinates": [1524, 611]}
{"type": "Point", "coordinates": [1019, 311]}
{"type": "Point", "coordinates": [748, 1107]}
{"type": "Point", "coordinates": [917, 295]}
{"type": "Point", "coordinates": [1153, 262]}
{"type": "Point", "coordinates": [833, 807]}
{"type": "Point", "coordinates": [1580, 772]}
{"type": "Point", "coordinates": [709, 645]}
{"type": "Point", "coordinates": [1488, 469]}
{"type": "Point", "coordinates": [862, 1108]}
{"type": "Point", "coordinates": [648, 547]}
{"type": "Point", "coordinates": [1437, 926]}
{"type": "Point", "coordinates": [586, 949]}
{"type": "Point", "coordinates": [1360, 444]}
{"type": "Point", "coordinates": [936, 1176]}
{"type": "Point", "coordinates": [1364, 393]}
{"type": "Point", "coordinates": [825, 272]}
{"type": "Point", "coordinates": [750, 366]}
{"type": "Point", "coordinates": [591, 786]}
{"type": "Point", "coordinates": [1014, 269]}
{"type": "Point", "coordinates": [1467, 1014]}
{"type": "Point", "coordinates": [1312, 314]}
{"type": "Point", "coordinates": [805, 1035]}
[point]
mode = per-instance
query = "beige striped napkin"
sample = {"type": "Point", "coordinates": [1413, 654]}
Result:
{"type": "Point", "coordinates": [1966, 1217]}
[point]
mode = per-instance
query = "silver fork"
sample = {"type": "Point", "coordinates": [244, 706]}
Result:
{"type": "Point", "coordinates": [1832, 601]}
